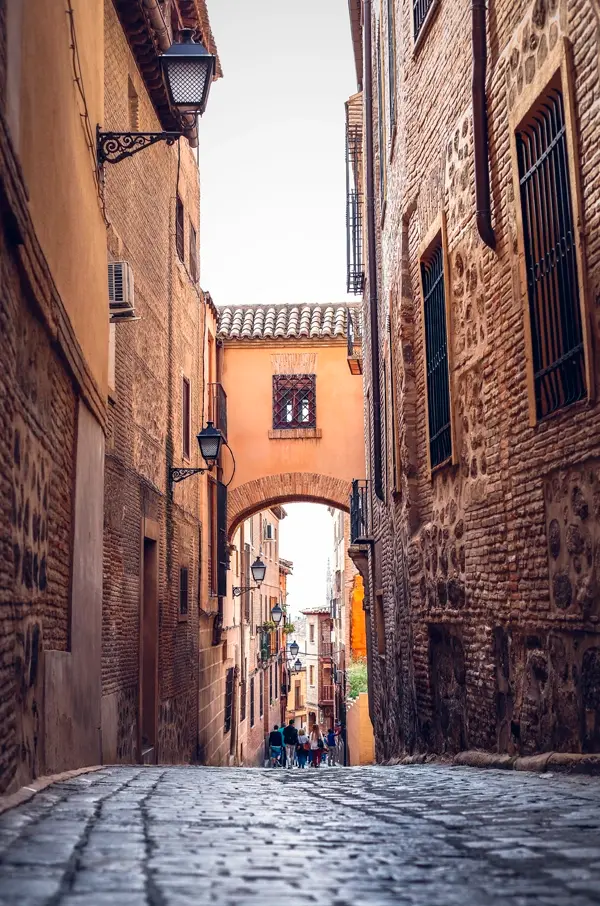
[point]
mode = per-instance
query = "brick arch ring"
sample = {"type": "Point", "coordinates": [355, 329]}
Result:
{"type": "Point", "coordinates": [285, 487]}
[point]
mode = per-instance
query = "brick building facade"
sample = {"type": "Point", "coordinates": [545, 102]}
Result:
{"type": "Point", "coordinates": [480, 552]}
{"type": "Point", "coordinates": [53, 344]}
{"type": "Point", "coordinates": [159, 604]}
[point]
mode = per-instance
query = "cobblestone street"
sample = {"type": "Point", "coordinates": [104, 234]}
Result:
{"type": "Point", "coordinates": [430, 836]}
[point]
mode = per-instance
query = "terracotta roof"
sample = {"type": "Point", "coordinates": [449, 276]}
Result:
{"type": "Point", "coordinates": [264, 322]}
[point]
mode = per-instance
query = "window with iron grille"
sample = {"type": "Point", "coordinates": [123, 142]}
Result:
{"type": "Point", "coordinates": [222, 546]}
{"type": "Point", "coordinates": [211, 536]}
{"type": "Point", "coordinates": [186, 415]}
{"type": "Point", "coordinates": [251, 701]}
{"type": "Point", "coordinates": [193, 253]}
{"type": "Point", "coordinates": [276, 680]}
{"type": "Point", "coordinates": [391, 40]}
{"type": "Point", "coordinates": [183, 590]}
{"type": "Point", "coordinates": [261, 693]}
{"type": "Point", "coordinates": [550, 258]}
{"type": "Point", "coordinates": [179, 218]}
{"type": "Point", "coordinates": [420, 10]}
{"type": "Point", "coordinates": [436, 351]}
{"type": "Point", "coordinates": [294, 401]}
{"type": "Point", "coordinates": [271, 683]}
{"type": "Point", "coordinates": [381, 124]}
{"type": "Point", "coordinates": [355, 275]}
{"type": "Point", "coordinates": [228, 699]}
{"type": "Point", "coordinates": [243, 697]}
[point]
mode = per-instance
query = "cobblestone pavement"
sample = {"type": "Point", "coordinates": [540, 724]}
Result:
{"type": "Point", "coordinates": [423, 835]}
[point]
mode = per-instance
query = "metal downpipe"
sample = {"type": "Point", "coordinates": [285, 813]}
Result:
{"type": "Point", "coordinates": [480, 128]}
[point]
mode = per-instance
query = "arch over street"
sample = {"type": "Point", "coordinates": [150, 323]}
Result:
{"type": "Point", "coordinates": [286, 487]}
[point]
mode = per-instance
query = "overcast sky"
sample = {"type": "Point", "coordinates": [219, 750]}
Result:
{"type": "Point", "coordinates": [273, 185]}
{"type": "Point", "coordinates": [272, 146]}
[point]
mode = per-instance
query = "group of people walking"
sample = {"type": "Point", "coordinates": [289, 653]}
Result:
{"type": "Point", "coordinates": [290, 747]}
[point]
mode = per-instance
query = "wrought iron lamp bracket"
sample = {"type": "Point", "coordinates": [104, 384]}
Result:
{"type": "Point", "coordinates": [176, 475]}
{"type": "Point", "coordinates": [112, 147]}
{"type": "Point", "coordinates": [238, 590]}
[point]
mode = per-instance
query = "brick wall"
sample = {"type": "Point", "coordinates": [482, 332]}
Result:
{"type": "Point", "coordinates": [152, 356]}
{"type": "Point", "coordinates": [490, 631]}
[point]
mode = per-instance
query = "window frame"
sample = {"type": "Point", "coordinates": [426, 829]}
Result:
{"type": "Point", "coordinates": [186, 418]}
{"type": "Point", "coordinates": [252, 704]}
{"type": "Point", "coordinates": [311, 675]}
{"type": "Point", "coordinates": [193, 252]}
{"type": "Point", "coordinates": [556, 69]}
{"type": "Point", "coordinates": [211, 546]}
{"type": "Point", "coordinates": [261, 694]}
{"type": "Point", "coordinates": [296, 424]}
{"type": "Point", "coordinates": [381, 126]}
{"type": "Point", "coordinates": [180, 228]}
{"type": "Point", "coordinates": [419, 37]}
{"type": "Point", "coordinates": [184, 571]}
{"type": "Point", "coordinates": [392, 72]}
{"type": "Point", "coordinates": [437, 235]}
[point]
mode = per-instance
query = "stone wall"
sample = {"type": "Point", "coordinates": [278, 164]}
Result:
{"type": "Point", "coordinates": [487, 570]}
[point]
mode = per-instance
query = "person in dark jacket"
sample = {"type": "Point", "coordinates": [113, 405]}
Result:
{"type": "Point", "coordinates": [275, 747]}
{"type": "Point", "coordinates": [290, 738]}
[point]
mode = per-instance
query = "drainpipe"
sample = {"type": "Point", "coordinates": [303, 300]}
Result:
{"type": "Point", "coordinates": [480, 131]}
{"type": "Point", "coordinates": [372, 250]}
{"type": "Point", "coordinates": [161, 30]}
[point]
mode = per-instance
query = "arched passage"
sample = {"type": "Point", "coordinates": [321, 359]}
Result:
{"type": "Point", "coordinates": [286, 487]}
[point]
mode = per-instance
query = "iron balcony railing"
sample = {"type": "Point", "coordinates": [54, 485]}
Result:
{"type": "Point", "coordinates": [326, 694]}
{"type": "Point", "coordinates": [354, 335]}
{"type": "Point", "coordinates": [359, 511]}
{"type": "Point", "coordinates": [354, 197]}
{"type": "Point", "coordinates": [325, 649]}
{"type": "Point", "coordinates": [217, 407]}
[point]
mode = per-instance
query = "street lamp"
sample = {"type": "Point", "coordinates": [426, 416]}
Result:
{"type": "Point", "coordinates": [210, 441]}
{"type": "Point", "coordinates": [298, 664]}
{"type": "Point", "coordinates": [258, 570]}
{"type": "Point", "coordinates": [277, 614]}
{"type": "Point", "coordinates": [188, 70]}
{"type": "Point", "coordinates": [294, 649]}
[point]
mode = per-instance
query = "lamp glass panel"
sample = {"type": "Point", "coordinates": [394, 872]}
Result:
{"type": "Point", "coordinates": [188, 80]}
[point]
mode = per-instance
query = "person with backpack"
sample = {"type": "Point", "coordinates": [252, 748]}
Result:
{"type": "Point", "coordinates": [303, 748]}
{"type": "Point", "coordinates": [332, 747]}
{"type": "Point", "coordinates": [290, 738]}
{"type": "Point", "coordinates": [317, 746]}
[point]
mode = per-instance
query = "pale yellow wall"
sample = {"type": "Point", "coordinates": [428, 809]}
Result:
{"type": "Point", "coordinates": [248, 380]}
{"type": "Point", "coordinates": [359, 730]}
{"type": "Point", "coordinates": [58, 166]}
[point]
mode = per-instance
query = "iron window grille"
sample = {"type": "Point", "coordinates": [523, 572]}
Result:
{"type": "Point", "coordinates": [243, 697]}
{"type": "Point", "coordinates": [391, 23]}
{"type": "Point", "coordinates": [183, 590]}
{"type": "Point", "coordinates": [228, 699]}
{"type": "Point", "coordinates": [436, 351]}
{"type": "Point", "coordinates": [179, 218]}
{"type": "Point", "coordinates": [212, 537]}
{"type": "Point", "coordinates": [270, 684]}
{"type": "Point", "coordinates": [550, 258]}
{"type": "Point", "coordinates": [193, 253]}
{"type": "Point", "coordinates": [381, 125]}
{"type": "Point", "coordinates": [294, 401]}
{"type": "Point", "coordinates": [251, 701]}
{"type": "Point", "coordinates": [261, 693]}
{"type": "Point", "coordinates": [359, 510]}
{"type": "Point", "coordinates": [355, 276]}
{"type": "Point", "coordinates": [222, 546]}
{"type": "Point", "coordinates": [186, 414]}
{"type": "Point", "coordinates": [420, 10]}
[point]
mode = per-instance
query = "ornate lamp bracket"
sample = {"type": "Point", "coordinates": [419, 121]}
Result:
{"type": "Point", "coordinates": [111, 147]}
{"type": "Point", "coordinates": [176, 475]}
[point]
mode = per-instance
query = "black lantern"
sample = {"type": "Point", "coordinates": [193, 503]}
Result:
{"type": "Point", "coordinates": [258, 570]}
{"type": "Point", "coordinates": [188, 70]}
{"type": "Point", "coordinates": [210, 440]}
{"type": "Point", "coordinates": [294, 649]}
{"type": "Point", "coordinates": [277, 614]}
{"type": "Point", "coordinates": [298, 664]}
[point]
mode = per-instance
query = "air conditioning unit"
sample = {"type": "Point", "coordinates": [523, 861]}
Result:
{"type": "Point", "coordinates": [269, 532]}
{"type": "Point", "coordinates": [120, 292]}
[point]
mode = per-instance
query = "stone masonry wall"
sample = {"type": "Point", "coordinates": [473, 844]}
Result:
{"type": "Point", "coordinates": [488, 569]}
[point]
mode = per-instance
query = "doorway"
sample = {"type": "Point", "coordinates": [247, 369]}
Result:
{"type": "Point", "coordinates": [149, 653]}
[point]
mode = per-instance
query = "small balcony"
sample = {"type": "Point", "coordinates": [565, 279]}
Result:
{"type": "Point", "coordinates": [325, 649]}
{"type": "Point", "coordinates": [326, 694]}
{"type": "Point", "coordinates": [359, 511]}
{"type": "Point", "coordinates": [354, 336]}
{"type": "Point", "coordinates": [217, 408]}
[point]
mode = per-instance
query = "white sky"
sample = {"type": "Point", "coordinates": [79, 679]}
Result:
{"type": "Point", "coordinates": [273, 186]}
{"type": "Point", "coordinates": [272, 152]}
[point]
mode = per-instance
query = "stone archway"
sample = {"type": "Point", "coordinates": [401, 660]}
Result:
{"type": "Point", "coordinates": [286, 487]}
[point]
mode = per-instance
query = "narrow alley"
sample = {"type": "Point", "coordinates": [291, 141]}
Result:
{"type": "Point", "coordinates": [422, 835]}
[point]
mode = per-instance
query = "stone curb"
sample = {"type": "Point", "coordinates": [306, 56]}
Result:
{"type": "Point", "coordinates": [36, 786]}
{"type": "Point", "coordinates": [563, 762]}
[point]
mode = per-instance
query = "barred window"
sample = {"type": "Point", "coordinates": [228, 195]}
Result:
{"type": "Point", "coordinates": [420, 10]}
{"type": "Point", "coordinates": [391, 36]}
{"type": "Point", "coordinates": [193, 253]}
{"type": "Point", "coordinates": [186, 416]}
{"type": "Point", "coordinates": [294, 401]}
{"type": "Point", "coordinates": [179, 218]}
{"type": "Point", "coordinates": [251, 701]}
{"type": "Point", "coordinates": [228, 699]}
{"type": "Point", "coordinates": [261, 693]}
{"type": "Point", "coordinates": [550, 258]}
{"type": "Point", "coordinates": [183, 590]}
{"type": "Point", "coordinates": [211, 537]}
{"type": "Point", "coordinates": [436, 351]}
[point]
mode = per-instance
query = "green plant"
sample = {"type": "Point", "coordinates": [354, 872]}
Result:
{"type": "Point", "coordinates": [289, 628]}
{"type": "Point", "coordinates": [357, 678]}
{"type": "Point", "coordinates": [269, 626]}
